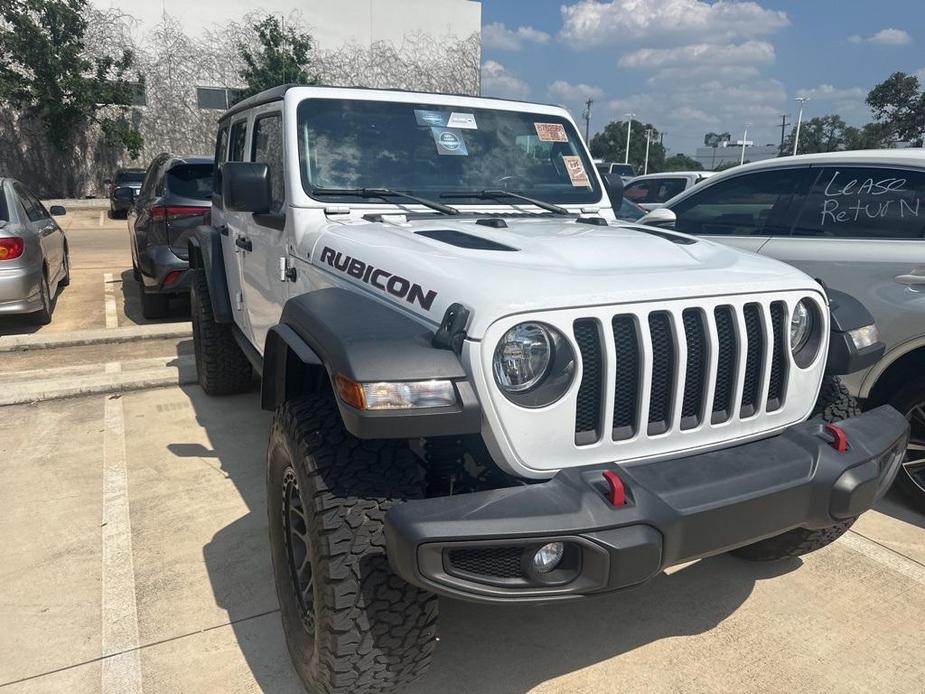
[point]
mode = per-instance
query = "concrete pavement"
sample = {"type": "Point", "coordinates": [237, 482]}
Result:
{"type": "Point", "coordinates": [846, 619]}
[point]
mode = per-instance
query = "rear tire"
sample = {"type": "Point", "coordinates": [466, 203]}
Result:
{"type": "Point", "coordinates": [835, 404]}
{"type": "Point", "coordinates": [909, 401]}
{"type": "Point", "coordinates": [351, 624]}
{"type": "Point", "coordinates": [222, 367]}
{"type": "Point", "coordinates": [154, 305]}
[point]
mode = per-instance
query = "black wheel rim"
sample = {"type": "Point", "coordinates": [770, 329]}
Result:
{"type": "Point", "coordinates": [914, 462]}
{"type": "Point", "coordinates": [295, 535]}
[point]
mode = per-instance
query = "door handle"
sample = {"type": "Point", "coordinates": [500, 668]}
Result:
{"type": "Point", "coordinates": [910, 279]}
{"type": "Point", "coordinates": [243, 243]}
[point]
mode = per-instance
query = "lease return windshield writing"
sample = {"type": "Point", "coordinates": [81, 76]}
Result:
{"type": "Point", "coordinates": [383, 280]}
{"type": "Point", "coordinates": [847, 201]}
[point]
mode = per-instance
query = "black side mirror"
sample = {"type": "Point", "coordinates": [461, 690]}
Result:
{"type": "Point", "coordinates": [57, 211]}
{"type": "Point", "coordinates": [124, 194]}
{"type": "Point", "coordinates": [613, 184]}
{"type": "Point", "coordinates": [246, 187]}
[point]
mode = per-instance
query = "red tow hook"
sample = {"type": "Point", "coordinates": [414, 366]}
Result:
{"type": "Point", "coordinates": [839, 439]}
{"type": "Point", "coordinates": [617, 494]}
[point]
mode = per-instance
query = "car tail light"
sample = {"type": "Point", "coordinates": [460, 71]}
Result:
{"type": "Point", "coordinates": [176, 212]}
{"type": "Point", "coordinates": [11, 247]}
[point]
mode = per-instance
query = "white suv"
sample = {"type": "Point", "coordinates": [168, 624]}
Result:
{"type": "Point", "coordinates": [486, 388]}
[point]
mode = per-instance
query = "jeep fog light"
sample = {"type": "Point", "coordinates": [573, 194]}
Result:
{"type": "Point", "coordinates": [548, 557]}
{"type": "Point", "coordinates": [865, 336]}
{"type": "Point", "coordinates": [409, 395]}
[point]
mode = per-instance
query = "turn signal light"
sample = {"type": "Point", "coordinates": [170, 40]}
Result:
{"type": "Point", "coordinates": [350, 392]}
{"type": "Point", "coordinates": [11, 247]}
{"type": "Point", "coordinates": [396, 395]}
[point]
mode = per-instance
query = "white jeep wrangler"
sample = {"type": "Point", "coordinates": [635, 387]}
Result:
{"type": "Point", "coordinates": [486, 388]}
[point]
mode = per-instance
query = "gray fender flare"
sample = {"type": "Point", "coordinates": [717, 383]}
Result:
{"type": "Point", "coordinates": [205, 252]}
{"type": "Point", "coordinates": [334, 331]}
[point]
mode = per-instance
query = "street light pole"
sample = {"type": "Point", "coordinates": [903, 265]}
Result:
{"type": "Point", "coordinates": [587, 115]}
{"type": "Point", "coordinates": [796, 137]}
{"type": "Point", "coordinates": [645, 168]}
{"type": "Point", "coordinates": [629, 123]}
{"type": "Point", "coordinates": [744, 143]}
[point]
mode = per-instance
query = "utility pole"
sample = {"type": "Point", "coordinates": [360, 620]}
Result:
{"type": "Point", "coordinates": [796, 137]}
{"type": "Point", "coordinates": [645, 168]}
{"type": "Point", "coordinates": [629, 125]}
{"type": "Point", "coordinates": [587, 117]}
{"type": "Point", "coordinates": [783, 127]}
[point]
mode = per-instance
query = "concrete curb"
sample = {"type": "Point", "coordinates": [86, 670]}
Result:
{"type": "Point", "coordinates": [80, 338]}
{"type": "Point", "coordinates": [180, 372]}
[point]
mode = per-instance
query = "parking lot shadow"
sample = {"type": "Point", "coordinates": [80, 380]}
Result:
{"type": "Point", "coordinates": [131, 292]}
{"type": "Point", "coordinates": [896, 504]}
{"type": "Point", "coordinates": [482, 648]}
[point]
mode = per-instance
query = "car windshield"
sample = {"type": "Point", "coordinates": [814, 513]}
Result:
{"type": "Point", "coordinates": [130, 176]}
{"type": "Point", "coordinates": [433, 151]}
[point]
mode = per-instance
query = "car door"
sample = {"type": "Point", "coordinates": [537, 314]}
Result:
{"type": "Point", "coordinates": [265, 234]}
{"type": "Point", "coordinates": [860, 230]}
{"type": "Point", "coordinates": [743, 210]}
{"type": "Point", "coordinates": [231, 145]}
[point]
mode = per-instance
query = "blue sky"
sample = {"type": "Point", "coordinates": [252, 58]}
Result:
{"type": "Point", "coordinates": [692, 66]}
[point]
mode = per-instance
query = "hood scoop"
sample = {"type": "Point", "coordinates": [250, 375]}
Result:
{"type": "Point", "coordinates": [463, 240]}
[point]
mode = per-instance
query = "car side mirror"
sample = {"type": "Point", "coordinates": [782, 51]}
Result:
{"type": "Point", "coordinates": [246, 187]}
{"type": "Point", "coordinates": [124, 193]}
{"type": "Point", "coordinates": [613, 184]}
{"type": "Point", "coordinates": [660, 217]}
{"type": "Point", "coordinates": [57, 211]}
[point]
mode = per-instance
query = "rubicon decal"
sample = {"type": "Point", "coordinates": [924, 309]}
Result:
{"type": "Point", "coordinates": [383, 280]}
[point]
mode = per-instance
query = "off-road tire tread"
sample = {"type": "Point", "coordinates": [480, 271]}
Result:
{"type": "Point", "coordinates": [222, 367]}
{"type": "Point", "coordinates": [835, 404]}
{"type": "Point", "coordinates": [376, 633]}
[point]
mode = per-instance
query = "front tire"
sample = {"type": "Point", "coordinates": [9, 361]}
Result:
{"type": "Point", "coordinates": [222, 367]}
{"type": "Point", "coordinates": [834, 404]}
{"type": "Point", "coordinates": [351, 624]}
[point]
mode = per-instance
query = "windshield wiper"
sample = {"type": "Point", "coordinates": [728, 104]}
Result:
{"type": "Point", "coordinates": [484, 194]}
{"type": "Point", "coordinates": [387, 193]}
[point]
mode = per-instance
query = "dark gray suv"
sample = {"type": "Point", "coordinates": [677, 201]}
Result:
{"type": "Point", "coordinates": [174, 199]}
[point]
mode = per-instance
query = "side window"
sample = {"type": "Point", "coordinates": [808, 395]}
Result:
{"type": "Point", "coordinates": [268, 148]}
{"type": "Point", "coordinates": [147, 188]}
{"type": "Point", "coordinates": [864, 203]}
{"type": "Point", "coordinates": [744, 205]}
{"type": "Point", "coordinates": [637, 191]}
{"type": "Point", "coordinates": [221, 145]}
{"type": "Point", "coordinates": [31, 206]}
{"type": "Point", "coordinates": [238, 139]}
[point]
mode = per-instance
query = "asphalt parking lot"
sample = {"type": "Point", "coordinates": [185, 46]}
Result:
{"type": "Point", "coordinates": [133, 555]}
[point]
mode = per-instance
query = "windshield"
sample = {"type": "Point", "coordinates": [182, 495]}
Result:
{"type": "Point", "coordinates": [431, 151]}
{"type": "Point", "coordinates": [130, 176]}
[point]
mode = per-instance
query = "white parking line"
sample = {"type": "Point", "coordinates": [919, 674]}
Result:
{"type": "Point", "coordinates": [121, 672]}
{"type": "Point", "coordinates": [112, 318]}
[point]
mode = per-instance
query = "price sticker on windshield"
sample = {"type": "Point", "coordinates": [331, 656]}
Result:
{"type": "Point", "coordinates": [576, 172]}
{"type": "Point", "coordinates": [550, 132]}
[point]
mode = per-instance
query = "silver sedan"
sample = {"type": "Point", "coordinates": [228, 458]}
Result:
{"type": "Point", "coordinates": [33, 253]}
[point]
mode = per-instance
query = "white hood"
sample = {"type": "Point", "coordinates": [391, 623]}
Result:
{"type": "Point", "coordinates": [557, 263]}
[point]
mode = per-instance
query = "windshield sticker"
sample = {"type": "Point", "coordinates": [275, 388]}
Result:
{"type": "Point", "coordinates": [576, 172]}
{"type": "Point", "coordinates": [550, 132]}
{"type": "Point", "coordinates": [464, 121]}
{"type": "Point", "coordinates": [431, 118]}
{"type": "Point", "coordinates": [450, 141]}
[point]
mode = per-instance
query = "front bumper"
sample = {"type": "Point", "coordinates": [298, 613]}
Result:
{"type": "Point", "coordinates": [466, 546]}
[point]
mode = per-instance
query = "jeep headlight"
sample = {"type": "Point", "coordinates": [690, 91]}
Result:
{"type": "Point", "coordinates": [533, 364]}
{"type": "Point", "coordinates": [801, 326]}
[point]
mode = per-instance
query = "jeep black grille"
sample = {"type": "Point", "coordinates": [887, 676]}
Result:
{"type": "Point", "coordinates": [728, 355]}
{"type": "Point", "coordinates": [488, 562]}
{"type": "Point", "coordinates": [779, 357]}
{"type": "Point", "coordinates": [692, 407]}
{"type": "Point", "coordinates": [663, 364]}
{"type": "Point", "coordinates": [754, 359]}
{"type": "Point", "coordinates": [626, 392]}
{"type": "Point", "coordinates": [588, 411]}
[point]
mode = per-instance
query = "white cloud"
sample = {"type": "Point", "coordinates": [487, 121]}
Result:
{"type": "Point", "coordinates": [592, 23]}
{"type": "Point", "coordinates": [847, 102]}
{"type": "Point", "coordinates": [750, 52]}
{"type": "Point", "coordinates": [497, 81]}
{"type": "Point", "coordinates": [885, 37]}
{"type": "Point", "coordinates": [920, 73]}
{"type": "Point", "coordinates": [570, 93]}
{"type": "Point", "coordinates": [728, 73]}
{"type": "Point", "coordinates": [498, 36]}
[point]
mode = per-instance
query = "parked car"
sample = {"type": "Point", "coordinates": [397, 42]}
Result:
{"type": "Point", "coordinates": [34, 261]}
{"type": "Point", "coordinates": [123, 178]}
{"type": "Point", "coordinates": [485, 387]}
{"type": "Point", "coordinates": [653, 190]}
{"type": "Point", "coordinates": [624, 171]}
{"type": "Point", "coordinates": [176, 197]}
{"type": "Point", "coordinates": [855, 220]}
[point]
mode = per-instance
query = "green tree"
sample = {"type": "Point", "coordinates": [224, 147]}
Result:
{"type": "Point", "coordinates": [610, 144]}
{"type": "Point", "coordinates": [44, 72]}
{"type": "Point", "coordinates": [831, 134]}
{"type": "Point", "coordinates": [681, 162]}
{"type": "Point", "coordinates": [281, 57]}
{"type": "Point", "coordinates": [899, 104]}
{"type": "Point", "coordinates": [714, 140]}
{"type": "Point", "coordinates": [870, 136]}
